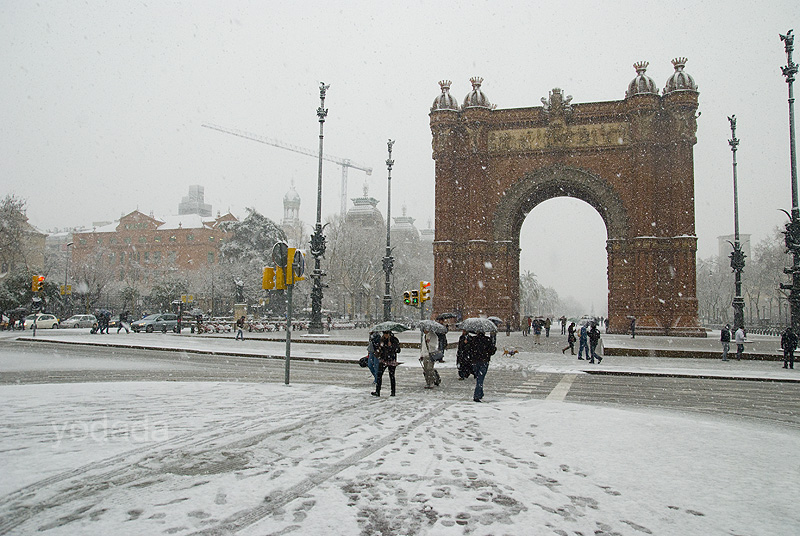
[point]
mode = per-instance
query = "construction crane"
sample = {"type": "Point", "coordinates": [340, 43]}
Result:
{"type": "Point", "coordinates": [344, 162]}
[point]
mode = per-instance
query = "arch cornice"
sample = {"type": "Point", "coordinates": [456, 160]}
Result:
{"type": "Point", "coordinates": [559, 181]}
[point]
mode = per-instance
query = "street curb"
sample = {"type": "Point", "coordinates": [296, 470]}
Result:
{"type": "Point", "coordinates": [337, 342]}
{"type": "Point", "coordinates": [694, 376]}
{"type": "Point", "coordinates": [190, 350]}
{"type": "Point", "coordinates": [694, 354]}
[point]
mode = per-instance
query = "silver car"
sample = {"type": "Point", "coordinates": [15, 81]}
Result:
{"type": "Point", "coordinates": [79, 321]}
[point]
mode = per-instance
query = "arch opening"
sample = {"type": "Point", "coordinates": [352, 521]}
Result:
{"type": "Point", "coordinates": [563, 243]}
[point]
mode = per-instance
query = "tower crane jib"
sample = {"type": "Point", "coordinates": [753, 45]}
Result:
{"type": "Point", "coordinates": [343, 162]}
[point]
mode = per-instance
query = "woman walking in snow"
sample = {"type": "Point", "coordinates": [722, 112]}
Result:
{"type": "Point", "coordinates": [387, 349]}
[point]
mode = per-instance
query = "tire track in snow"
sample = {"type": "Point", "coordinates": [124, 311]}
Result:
{"type": "Point", "coordinates": [17, 508]}
{"type": "Point", "coordinates": [279, 499]}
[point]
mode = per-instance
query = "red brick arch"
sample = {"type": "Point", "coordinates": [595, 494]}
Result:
{"type": "Point", "coordinates": [631, 160]}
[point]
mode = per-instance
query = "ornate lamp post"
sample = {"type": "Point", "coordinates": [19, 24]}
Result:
{"type": "Point", "coordinates": [792, 232]}
{"type": "Point", "coordinates": [737, 256]}
{"type": "Point", "coordinates": [318, 239]}
{"type": "Point", "coordinates": [388, 261]}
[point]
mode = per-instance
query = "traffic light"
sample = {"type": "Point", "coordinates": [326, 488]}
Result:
{"type": "Point", "coordinates": [295, 266]}
{"type": "Point", "coordinates": [407, 297]}
{"type": "Point", "coordinates": [38, 283]}
{"type": "Point", "coordinates": [268, 278]}
{"type": "Point", "coordinates": [414, 298]}
{"type": "Point", "coordinates": [424, 291]}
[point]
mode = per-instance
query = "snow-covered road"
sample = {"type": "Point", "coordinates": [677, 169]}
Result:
{"type": "Point", "coordinates": [253, 459]}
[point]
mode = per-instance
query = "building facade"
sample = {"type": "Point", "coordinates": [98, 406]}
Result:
{"type": "Point", "coordinates": [150, 245]}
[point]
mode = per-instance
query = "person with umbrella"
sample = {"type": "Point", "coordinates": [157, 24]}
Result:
{"type": "Point", "coordinates": [480, 350]}
{"type": "Point", "coordinates": [387, 349]}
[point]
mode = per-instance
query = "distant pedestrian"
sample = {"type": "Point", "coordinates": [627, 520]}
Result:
{"type": "Point", "coordinates": [537, 331]}
{"type": "Point", "coordinates": [240, 329]}
{"type": "Point", "coordinates": [570, 339]}
{"type": "Point", "coordinates": [442, 337]}
{"type": "Point", "coordinates": [387, 350]}
{"type": "Point", "coordinates": [583, 345]}
{"type": "Point", "coordinates": [123, 322]}
{"type": "Point", "coordinates": [508, 328]}
{"type": "Point", "coordinates": [429, 345]}
{"type": "Point", "coordinates": [740, 339]}
{"type": "Point", "coordinates": [594, 339]}
{"type": "Point", "coordinates": [547, 324]}
{"type": "Point", "coordinates": [633, 327]}
{"type": "Point", "coordinates": [481, 350]}
{"type": "Point", "coordinates": [725, 339]}
{"type": "Point", "coordinates": [789, 345]}
{"type": "Point", "coordinates": [462, 364]}
{"type": "Point", "coordinates": [563, 321]}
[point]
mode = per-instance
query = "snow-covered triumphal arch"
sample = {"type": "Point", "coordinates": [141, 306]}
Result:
{"type": "Point", "coordinates": [632, 160]}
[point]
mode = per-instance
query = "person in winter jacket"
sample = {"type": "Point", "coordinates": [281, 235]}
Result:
{"type": "Point", "coordinates": [789, 345]}
{"type": "Point", "coordinates": [725, 339]}
{"type": "Point", "coordinates": [480, 351]}
{"type": "Point", "coordinates": [372, 356]}
{"type": "Point", "coordinates": [430, 343]}
{"type": "Point", "coordinates": [740, 338]}
{"type": "Point", "coordinates": [594, 339]}
{"type": "Point", "coordinates": [570, 339]}
{"type": "Point", "coordinates": [387, 349]}
{"type": "Point", "coordinates": [584, 343]}
{"type": "Point", "coordinates": [462, 363]}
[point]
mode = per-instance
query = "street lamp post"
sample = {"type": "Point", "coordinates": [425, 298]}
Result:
{"type": "Point", "coordinates": [737, 256]}
{"type": "Point", "coordinates": [318, 239]}
{"type": "Point", "coordinates": [792, 232]}
{"type": "Point", "coordinates": [388, 261]}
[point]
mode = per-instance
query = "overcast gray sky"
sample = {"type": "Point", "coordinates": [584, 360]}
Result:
{"type": "Point", "coordinates": [103, 102]}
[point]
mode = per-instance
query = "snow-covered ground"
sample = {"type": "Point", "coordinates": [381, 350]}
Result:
{"type": "Point", "coordinates": [256, 459]}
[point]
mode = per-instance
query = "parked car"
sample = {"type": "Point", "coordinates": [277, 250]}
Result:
{"type": "Point", "coordinates": [43, 321]}
{"type": "Point", "coordinates": [79, 321]}
{"type": "Point", "coordinates": [156, 322]}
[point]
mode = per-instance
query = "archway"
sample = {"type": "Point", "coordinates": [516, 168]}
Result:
{"type": "Point", "coordinates": [632, 160]}
{"type": "Point", "coordinates": [563, 249]}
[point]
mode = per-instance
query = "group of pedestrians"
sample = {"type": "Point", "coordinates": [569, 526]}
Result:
{"type": "Point", "coordinates": [588, 338]}
{"type": "Point", "coordinates": [472, 358]}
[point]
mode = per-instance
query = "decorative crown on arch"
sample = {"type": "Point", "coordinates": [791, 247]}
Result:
{"type": "Point", "coordinates": [557, 105]}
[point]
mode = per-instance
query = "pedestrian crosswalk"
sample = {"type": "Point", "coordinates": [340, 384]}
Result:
{"type": "Point", "coordinates": [547, 386]}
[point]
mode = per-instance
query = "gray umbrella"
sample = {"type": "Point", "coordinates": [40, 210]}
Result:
{"type": "Point", "coordinates": [497, 321]}
{"type": "Point", "coordinates": [431, 325]}
{"type": "Point", "coordinates": [477, 325]}
{"type": "Point", "coordinates": [389, 326]}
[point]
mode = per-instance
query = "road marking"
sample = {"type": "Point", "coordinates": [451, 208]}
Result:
{"type": "Point", "coordinates": [559, 392]}
{"type": "Point", "coordinates": [526, 389]}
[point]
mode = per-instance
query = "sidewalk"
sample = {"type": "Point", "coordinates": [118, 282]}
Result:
{"type": "Point", "coordinates": [640, 356]}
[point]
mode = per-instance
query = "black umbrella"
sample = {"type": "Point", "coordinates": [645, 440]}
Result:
{"type": "Point", "coordinates": [445, 316]}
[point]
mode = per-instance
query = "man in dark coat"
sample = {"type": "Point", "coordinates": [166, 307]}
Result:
{"type": "Point", "coordinates": [480, 351]}
{"type": "Point", "coordinates": [725, 339]}
{"type": "Point", "coordinates": [123, 322]}
{"type": "Point", "coordinates": [789, 345]}
{"type": "Point", "coordinates": [594, 339]}
{"type": "Point", "coordinates": [387, 349]}
{"type": "Point", "coordinates": [462, 363]}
